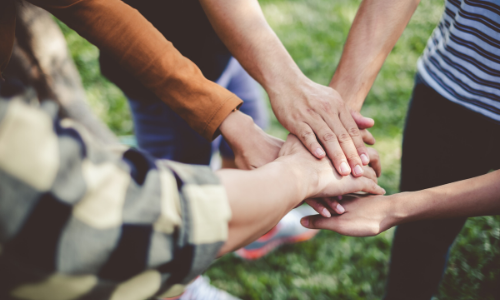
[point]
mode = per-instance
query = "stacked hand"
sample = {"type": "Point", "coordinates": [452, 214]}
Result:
{"type": "Point", "coordinates": [330, 205]}
{"type": "Point", "coordinates": [323, 179]}
{"type": "Point", "coordinates": [363, 216]}
{"type": "Point", "coordinates": [323, 122]}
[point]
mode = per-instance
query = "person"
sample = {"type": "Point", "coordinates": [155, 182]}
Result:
{"type": "Point", "coordinates": [80, 220]}
{"type": "Point", "coordinates": [315, 113]}
{"type": "Point", "coordinates": [452, 124]}
{"type": "Point", "coordinates": [369, 216]}
{"type": "Point", "coordinates": [164, 134]}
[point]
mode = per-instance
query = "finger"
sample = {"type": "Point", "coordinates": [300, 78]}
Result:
{"type": "Point", "coordinates": [335, 205]}
{"type": "Point", "coordinates": [370, 186]}
{"type": "Point", "coordinates": [332, 146]}
{"type": "Point", "coordinates": [375, 162]}
{"type": "Point", "coordinates": [319, 207]}
{"type": "Point", "coordinates": [362, 122]}
{"type": "Point", "coordinates": [347, 144]}
{"type": "Point", "coordinates": [319, 222]}
{"type": "Point", "coordinates": [370, 173]}
{"type": "Point", "coordinates": [308, 138]}
{"type": "Point", "coordinates": [367, 137]}
{"type": "Point", "coordinates": [355, 134]}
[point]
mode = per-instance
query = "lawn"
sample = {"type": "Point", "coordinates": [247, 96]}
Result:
{"type": "Point", "coordinates": [331, 266]}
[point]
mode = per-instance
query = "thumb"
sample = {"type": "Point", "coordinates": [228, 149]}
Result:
{"type": "Point", "coordinates": [318, 222]}
{"type": "Point", "coordinates": [367, 185]}
{"type": "Point", "coordinates": [362, 122]}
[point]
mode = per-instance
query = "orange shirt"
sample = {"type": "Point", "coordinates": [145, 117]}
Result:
{"type": "Point", "coordinates": [138, 47]}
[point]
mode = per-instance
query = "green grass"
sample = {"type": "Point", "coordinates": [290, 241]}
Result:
{"type": "Point", "coordinates": [332, 266]}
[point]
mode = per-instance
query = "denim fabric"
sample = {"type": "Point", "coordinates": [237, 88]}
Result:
{"type": "Point", "coordinates": [443, 142]}
{"type": "Point", "coordinates": [162, 133]}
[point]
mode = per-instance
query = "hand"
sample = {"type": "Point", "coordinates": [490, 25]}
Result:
{"type": "Point", "coordinates": [364, 216]}
{"type": "Point", "coordinates": [328, 206]}
{"type": "Point", "coordinates": [318, 116]}
{"type": "Point", "coordinates": [252, 147]}
{"type": "Point", "coordinates": [322, 179]}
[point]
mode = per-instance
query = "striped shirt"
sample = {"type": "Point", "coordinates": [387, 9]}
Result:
{"type": "Point", "coordinates": [462, 58]}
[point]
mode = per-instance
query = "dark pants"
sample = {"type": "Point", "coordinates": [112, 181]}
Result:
{"type": "Point", "coordinates": [443, 142]}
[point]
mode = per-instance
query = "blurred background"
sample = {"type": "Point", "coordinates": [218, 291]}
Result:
{"type": "Point", "coordinates": [330, 266]}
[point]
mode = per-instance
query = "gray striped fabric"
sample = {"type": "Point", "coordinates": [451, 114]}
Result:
{"type": "Point", "coordinates": [462, 58]}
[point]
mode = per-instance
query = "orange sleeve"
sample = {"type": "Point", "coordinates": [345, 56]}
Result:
{"type": "Point", "coordinates": [123, 32]}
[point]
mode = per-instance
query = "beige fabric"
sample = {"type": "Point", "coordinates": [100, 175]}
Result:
{"type": "Point", "coordinates": [102, 205]}
{"type": "Point", "coordinates": [56, 287]}
{"type": "Point", "coordinates": [170, 203]}
{"type": "Point", "coordinates": [28, 146]}
{"type": "Point", "coordinates": [211, 212]}
{"type": "Point", "coordinates": [141, 286]}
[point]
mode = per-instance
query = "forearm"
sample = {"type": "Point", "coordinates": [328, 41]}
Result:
{"type": "Point", "coordinates": [258, 200]}
{"type": "Point", "coordinates": [123, 32]}
{"type": "Point", "coordinates": [375, 30]}
{"type": "Point", "coordinates": [468, 198]}
{"type": "Point", "coordinates": [244, 30]}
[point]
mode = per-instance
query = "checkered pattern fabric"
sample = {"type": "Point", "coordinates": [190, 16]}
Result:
{"type": "Point", "coordinates": [79, 220]}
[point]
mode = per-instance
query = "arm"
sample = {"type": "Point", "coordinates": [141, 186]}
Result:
{"type": "Point", "coordinates": [120, 219]}
{"type": "Point", "coordinates": [268, 193]}
{"type": "Point", "coordinates": [374, 32]}
{"type": "Point", "coordinates": [477, 196]}
{"type": "Point", "coordinates": [116, 28]}
{"type": "Point", "coordinates": [310, 111]}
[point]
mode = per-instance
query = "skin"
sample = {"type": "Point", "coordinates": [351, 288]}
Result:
{"type": "Point", "coordinates": [312, 112]}
{"type": "Point", "coordinates": [316, 114]}
{"type": "Point", "coordinates": [368, 216]}
{"type": "Point", "coordinates": [255, 149]}
{"type": "Point", "coordinates": [303, 175]}
{"type": "Point", "coordinates": [374, 32]}
{"type": "Point", "coordinates": [327, 207]}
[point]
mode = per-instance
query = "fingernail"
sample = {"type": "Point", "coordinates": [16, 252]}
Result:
{"type": "Point", "coordinates": [326, 213]}
{"type": "Point", "coordinates": [344, 168]}
{"type": "Point", "coordinates": [364, 159]}
{"type": "Point", "coordinates": [304, 222]}
{"type": "Point", "coordinates": [320, 152]}
{"type": "Point", "coordinates": [340, 209]}
{"type": "Point", "coordinates": [358, 171]}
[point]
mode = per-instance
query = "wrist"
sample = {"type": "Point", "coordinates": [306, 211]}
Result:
{"type": "Point", "coordinates": [349, 91]}
{"type": "Point", "coordinates": [402, 207]}
{"type": "Point", "coordinates": [305, 180]}
{"type": "Point", "coordinates": [293, 82]}
{"type": "Point", "coordinates": [235, 125]}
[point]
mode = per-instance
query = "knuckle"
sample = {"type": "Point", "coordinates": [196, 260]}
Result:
{"type": "Point", "coordinates": [344, 137]}
{"type": "Point", "coordinates": [353, 131]}
{"type": "Point", "coordinates": [329, 137]}
{"type": "Point", "coordinates": [310, 111]}
{"type": "Point", "coordinates": [306, 134]}
{"type": "Point", "coordinates": [297, 115]}
{"type": "Point", "coordinates": [325, 106]}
